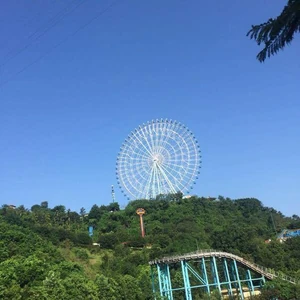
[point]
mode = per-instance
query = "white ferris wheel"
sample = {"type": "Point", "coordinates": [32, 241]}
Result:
{"type": "Point", "coordinates": [158, 158]}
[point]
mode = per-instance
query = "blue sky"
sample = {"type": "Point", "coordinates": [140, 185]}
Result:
{"type": "Point", "coordinates": [63, 119]}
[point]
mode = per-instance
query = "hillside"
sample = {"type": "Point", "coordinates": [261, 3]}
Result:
{"type": "Point", "coordinates": [46, 253]}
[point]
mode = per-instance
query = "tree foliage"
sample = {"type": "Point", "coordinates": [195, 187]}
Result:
{"type": "Point", "coordinates": [276, 33]}
{"type": "Point", "coordinates": [46, 253]}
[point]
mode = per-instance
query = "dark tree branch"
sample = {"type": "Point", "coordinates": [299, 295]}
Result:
{"type": "Point", "coordinates": [277, 33]}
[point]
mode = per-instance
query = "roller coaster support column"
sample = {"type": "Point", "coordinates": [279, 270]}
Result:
{"type": "Point", "coordinates": [159, 279]}
{"type": "Point", "coordinates": [250, 283]}
{"type": "Point", "coordinates": [186, 279]}
{"type": "Point", "coordinates": [227, 277]}
{"type": "Point", "coordinates": [214, 270]}
{"type": "Point", "coordinates": [164, 280]}
{"type": "Point", "coordinates": [204, 274]}
{"type": "Point", "coordinates": [237, 277]}
{"type": "Point", "coordinates": [169, 285]}
{"type": "Point", "coordinates": [263, 281]}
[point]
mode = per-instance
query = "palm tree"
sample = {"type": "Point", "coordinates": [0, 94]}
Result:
{"type": "Point", "coordinates": [278, 32]}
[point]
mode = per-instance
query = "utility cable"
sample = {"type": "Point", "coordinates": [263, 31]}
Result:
{"type": "Point", "coordinates": [35, 17]}
{"type": "Point", "coordinates": [55, 20]}
{"type": "Point", "coordinates": [61, 42]}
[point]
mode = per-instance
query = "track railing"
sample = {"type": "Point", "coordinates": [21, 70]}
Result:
{"type": "Point", "coordinates": [267, 272]}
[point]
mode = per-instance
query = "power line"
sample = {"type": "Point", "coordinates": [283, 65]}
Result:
{"type": "Point", "coordinates": [55, 20]}
{"type": "Point", "coordinates": [29, 21]}
{"type": "Point", "coordinates": [35, 17]}
{"type": "Point", "coordinates": [61, 42]}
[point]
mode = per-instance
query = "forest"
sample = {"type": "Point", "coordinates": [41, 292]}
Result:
{"type": "Point", "coordinates": [47, 253]}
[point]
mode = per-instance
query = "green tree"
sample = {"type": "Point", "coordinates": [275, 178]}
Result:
{"type": "Point", "coordinates": [79, 287]}
{"type": "Point", "coordinates": [108, 289]}
{"type": "Point", "coordinates": [95, 212]}
{"type": "Point", "coordinates": [108, 240]}
{"type": "Point", "coordinates": [44, 204]}
{"type": "Point", "coordinates": [53, 286]}
{"type": "Point", "coordinates": [276, 33]}
{"type": "Point", "coordinates": [278, 289]}
{"type": "Point", "coordinates": [59, 208]}
{"type": "Point", "coordinates": [82, 212]}
{"type": "Point", "coordinates": [130, 288]}
{"type": "Point", "coordinates": [114, 206]}
{"type": "Point", "coordinates": [35, 207]}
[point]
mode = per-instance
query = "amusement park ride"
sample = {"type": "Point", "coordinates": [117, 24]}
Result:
{"type": "Point", "coordinates": [206, 271]}
{"type": "Point", "coordinates": [158, 158]}
{"type": "Point", "coordinates": [141, 212]}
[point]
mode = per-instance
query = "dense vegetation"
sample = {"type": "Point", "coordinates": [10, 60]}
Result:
{"type": "Point", "coordinates": [47, 253]}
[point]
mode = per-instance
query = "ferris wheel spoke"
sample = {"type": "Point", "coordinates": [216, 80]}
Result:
{"type": "Point", "coordinates": [171, 144]}
{"type": "Point", "coordinates": [175, 178]}
{"type": "Point", "coordinates": [159, 136]}
{"type": "Point", "coordinates": [162, 182]}
{"type": "Point", "coordinates": [167, 179]}
{"type": "Point", "coordinates": [127, 186]}
{"type": "Point", "coordinates": [135, 185]}
{"type": "Point", "coordinates": [172, 136]}
{"type": "Point", "coordinates": [138, 151]}
{"type": "Point", "coordinates": [162, 129]}
{"type": "Point", "coordinates": [157, 181]}
{"type": "Point", "coordinates": [182, 144]}
{"type": "Point", "coordinates": [133, 156]}
{"type": "Point", "coordinates": [141, 143]}
{"type": "Point", "coordinates": [151, 139]}
{"type": "Point", "coordinates": [141, 173]}
{"type": "Point", "coordinates": [144, 137]}
{"type": "Point", "coordinates": [148, 184]}
{"type": "Point", "coordinates": [164, 137]}
{"type": "Point", "coordinates": [138, 163]}
{"type": "Point", "coordinates": [176, 167]}
{"type": "Point", "coordinates": [155, 134]}
{"type": "Point", "coordinates": [182, 169]}
{"type": "Point", "coordinates": [178, 174]}
{"type": "Point", "coordinates": [153, 183]}
{"type": "Point", "coordinates": [184, 158]}
{"type": "Point", "coordinates": [168, 147]}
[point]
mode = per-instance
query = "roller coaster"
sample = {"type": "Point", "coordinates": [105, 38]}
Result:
{"type": "Point", "coordinates": [206, 271]}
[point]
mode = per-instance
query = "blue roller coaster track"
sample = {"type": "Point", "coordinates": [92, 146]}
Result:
{"type": "Point", "coordinates": [208, 271]}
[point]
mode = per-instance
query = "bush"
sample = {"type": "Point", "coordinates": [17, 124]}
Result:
{"type": "Point", "coordinates": [81, 253]}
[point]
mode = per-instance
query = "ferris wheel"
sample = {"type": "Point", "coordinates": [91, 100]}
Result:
{"type": "Point", "coordinates": [158, 158]}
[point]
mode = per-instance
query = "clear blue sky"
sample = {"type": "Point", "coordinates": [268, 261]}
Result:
{"type": "Point", "coordinates": [64, 118]}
